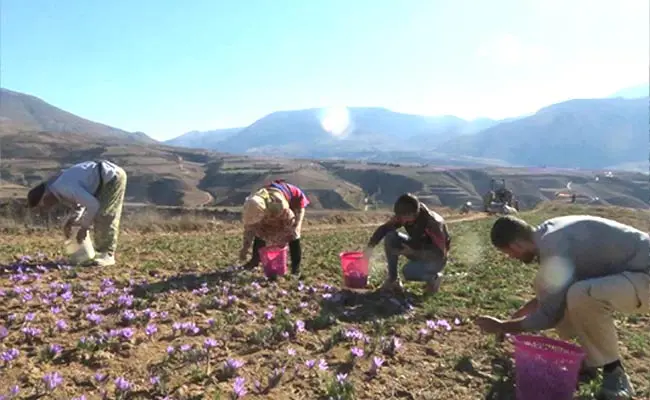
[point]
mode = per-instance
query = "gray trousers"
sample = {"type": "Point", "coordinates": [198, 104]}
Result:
{"type": "Point", "coordinates": [424, 265]}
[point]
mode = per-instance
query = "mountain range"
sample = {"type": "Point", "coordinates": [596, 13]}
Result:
{"type": "Point", "coordinates": [580, 133]}
{"type": "Point", "coordinates": [38, 139]}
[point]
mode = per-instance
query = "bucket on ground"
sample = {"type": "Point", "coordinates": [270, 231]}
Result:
{"type": "Point", "coordinates": [79, 253]}
{"type": "Point", "coordinates": [355, 269]}
{"type": "Point", "coordinates": [274, 260]}
{"type": "Point", "coordinates": [546, 368]}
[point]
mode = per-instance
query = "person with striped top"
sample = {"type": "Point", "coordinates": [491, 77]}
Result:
{"type": "Point", "coordinates": [264, 224]}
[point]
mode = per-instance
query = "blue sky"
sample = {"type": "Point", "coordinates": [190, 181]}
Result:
{"type": "Point", "coordinates": [166, 67]}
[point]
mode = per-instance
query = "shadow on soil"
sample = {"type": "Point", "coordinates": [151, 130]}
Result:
{"type": "Point", "coordinates": [187, 282]}
{"type": "Point", "coordinates": [352, 306]}
{"type": "Point", "coordinates": [30, 267]}
{"type": "Point", "coordinates": [503, 387]}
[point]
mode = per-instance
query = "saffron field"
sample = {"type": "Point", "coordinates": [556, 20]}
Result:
{"type": "Point", "coordinates": [177, 319]}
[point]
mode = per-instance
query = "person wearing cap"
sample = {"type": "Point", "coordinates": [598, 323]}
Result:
{"type": "Point", "coordinates": [94, 190]}
{"type": "Point", "coordinates": [268, 221]}
{"type": "Point", "coordinates": [589, 267]}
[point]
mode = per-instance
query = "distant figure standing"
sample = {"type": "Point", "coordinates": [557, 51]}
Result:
{"type": "Point", "coordinates": [95, 191]}
{"type": "Point", "coordinates": [274, 215]}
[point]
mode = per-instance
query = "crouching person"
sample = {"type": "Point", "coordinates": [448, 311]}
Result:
{"type": "Point", "coordinates": [425, 244]}
{"type": "Point", "coordinates": [590, 267]}
{"type": "Point", "coordinates": [268, 221]}
{"type": "Point", "coordinates": [95, 191]}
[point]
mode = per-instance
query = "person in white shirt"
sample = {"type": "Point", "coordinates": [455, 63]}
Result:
{"type": "Point", "coordinates": [95, 191]}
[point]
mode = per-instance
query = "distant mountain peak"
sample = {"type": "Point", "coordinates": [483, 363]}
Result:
{"type": "Point", "coordinates": [33, 113]}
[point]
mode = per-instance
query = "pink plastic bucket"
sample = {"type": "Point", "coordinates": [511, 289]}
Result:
{"type": "Point", "coordinates": [274, 260]}
{"type": "Point", "coordinates": [546, 368]}
{"type": "Point", "coordinates": [355, 269]}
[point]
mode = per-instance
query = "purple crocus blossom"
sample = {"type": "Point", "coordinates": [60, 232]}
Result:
{"type": "Point", "coordinates": [356, 352]}
{"type": "Point", "coordinates": [150, 329]}
{"type": "Point", "coordinates": [238, 387]}
{"type": "Point", "coordinates": [122, 384]}
{"type": "Point", "coordinates": [209, 343]}
{"type": "Point", "coordinates": [52, 380]}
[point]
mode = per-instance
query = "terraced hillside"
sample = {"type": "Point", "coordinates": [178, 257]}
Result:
{"type": "Point", "coordinates": [170, 176]}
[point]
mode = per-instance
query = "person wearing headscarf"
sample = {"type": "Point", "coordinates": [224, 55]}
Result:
{"type": "Point", "coordinates": [268, 221]}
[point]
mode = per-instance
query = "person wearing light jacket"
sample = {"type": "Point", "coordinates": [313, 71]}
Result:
{"type": "Point", "coordinates": [94, 190]}
{"type": "Point", "coordinates": [590, 267]}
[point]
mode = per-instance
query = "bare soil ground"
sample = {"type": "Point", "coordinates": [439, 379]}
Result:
{"type": "Point", "coordinates": [166, 321]}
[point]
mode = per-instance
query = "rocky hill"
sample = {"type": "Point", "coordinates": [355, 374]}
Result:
{"type": "Point", "coordinates": [164, 175]}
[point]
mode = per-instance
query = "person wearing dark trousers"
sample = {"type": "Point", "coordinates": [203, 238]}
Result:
{"type": "Point", "coordinates": [297, 201]}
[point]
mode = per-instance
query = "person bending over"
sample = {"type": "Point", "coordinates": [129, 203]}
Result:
{"type": "Point", "coordinates": [95, 191]}
{"type": "Point", "coordinates": [589, 268]}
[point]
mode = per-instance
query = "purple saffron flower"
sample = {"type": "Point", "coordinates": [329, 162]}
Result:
{"type": "Point", "coordinates": [377, 362]}
{"type": "Point", "coordinates": [149, 314]}
{"type": "Point", "coordinates": [55, 349]}
{"type": "Point", "coordinates": [291, 351]}
{"type": "Point", "coordinates": [52, 380]}
{"type": "Point", "coordinates": [4, 332]}
{"type": "Point", "coordinates": [122, 385]}
{"type": "Point", "coordinates": [127, 333]}
{"type": "Point", "coordinates": [238, 387]}
{"type": "Point", "coordinates": [67, 296]}
{"type": "Point", "coordinates": [99, 377]}
{"type": "Point", "coordinates": [29, 317]}
{"type": "Point", "coordinates": [322, 365]}
{"type": "Point", "coordinates": [31, 332]}
{"type": "Point", "coordinates": [55, 310]}
{"type": "Point", "coordinates": [300, 326]}
{"type": "Point", "coordinates": [310, 364]}
{"type": "Point", "coordinates": [9, 355]}
{"type": "Point", "coordinates": [268, 315]}
{"type": "Point", "coordinates": [340, 378]}
{"type": "Point", "coordinates": [128, 316]}
{"type": "Point", "coordinates": [445, 324]}
{"type": "Point", "coordinates": [233, 364]}
{"type": "Point", "coordinates": [15, 389]}
{"type": "Point", "coordinates": [154, 380]}
{"type": "Point", "coordinates": [185, 347]}
{"type": "Point", "coordinates": [209, 343]}
{"type": "Point", "coordinates": [170, 350]}
{"type": "Point", "coordinates": [125, 300]}
{"type": "Point", "coordinates": [356, 352]}
{"type": "Point", "coordinates": [150, 329]}
{"type": "Point", "coordinates": [96, 319]}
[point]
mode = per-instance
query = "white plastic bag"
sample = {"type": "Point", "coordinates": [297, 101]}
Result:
{"type": "Point", "coordinates": [79, 253]}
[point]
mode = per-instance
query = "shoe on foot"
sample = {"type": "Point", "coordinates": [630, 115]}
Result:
{"type": "Point", "coordinates": [433, 285]}
{"type": "Point", "coordinates": [616, 386]}
{"type": "Point", "coordinates": [587, 374]}
{"type": "Point", "coordinates": [392, 286]}
{"type": "Point", "coordinates": [104, 260]}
